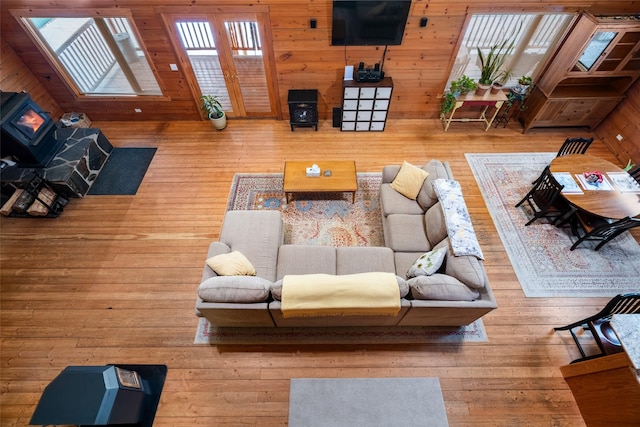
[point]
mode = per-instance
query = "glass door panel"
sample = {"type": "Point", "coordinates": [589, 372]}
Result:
{"type": "Point", "coordinates": [199, 44]}
{"type": "Point", "coordinates": [248, 62]}
{"type": "Point", "coordinates": [228, 59]}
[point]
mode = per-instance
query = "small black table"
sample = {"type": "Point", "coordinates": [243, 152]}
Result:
{"type": "Point", "coordinates": [303, 108]}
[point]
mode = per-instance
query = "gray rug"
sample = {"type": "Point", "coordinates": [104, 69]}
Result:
{"type": "Point", "coordinates": [370, 402]}
{"type": "Point", "coordinates": [540, 252]}
{"type": "Point", "coordinates": [123, 172]}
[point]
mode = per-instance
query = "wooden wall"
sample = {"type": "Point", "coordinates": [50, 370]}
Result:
{"type": "Point", "coordinates": [15, 76]}
{"type": "Point", "coordinates": [304, 56]}
{"type": "Point", "coordinates": [624, 120]}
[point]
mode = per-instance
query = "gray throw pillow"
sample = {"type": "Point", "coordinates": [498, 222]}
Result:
{"type": "Point", "coordinates": [466, 268]}
{"type": "Point", "coordinates": [427, 196]}
{"type": "Point", "coordinates": [441, 287]}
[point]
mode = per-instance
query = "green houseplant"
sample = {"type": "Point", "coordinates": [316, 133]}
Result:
{"type": "Point", "coordinates": [458, 87]}
{"type": "Point", "coordinates": [463, 85]}
{"type": "Point", "coordinates": [212, 107]}
{"type": "Point", "coordinates": [491, 64]}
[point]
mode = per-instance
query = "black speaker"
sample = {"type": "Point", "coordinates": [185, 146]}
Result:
{"type": "Point", "coordinates": [313, 23]}
{"type": "Point", "coordinates": [423, 21]}
{"type": "Point", "coordinates": [361, 66]}
{"type": "Point", "coordinates": [337, 117]}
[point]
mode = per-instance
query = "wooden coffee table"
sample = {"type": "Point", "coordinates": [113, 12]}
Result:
{"type": "Point", "coordinates": [342, 179]}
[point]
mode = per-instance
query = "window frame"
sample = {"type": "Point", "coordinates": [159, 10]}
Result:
{"type": "Point", "coordinates": [22, 14]}
{"type": "Point", "coordinates": [520, 46]}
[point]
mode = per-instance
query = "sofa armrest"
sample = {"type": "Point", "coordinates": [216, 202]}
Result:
{"type": "Point", "coordinates": [389, 172]}
{"type": "Point", "coordinates": [215, 248]}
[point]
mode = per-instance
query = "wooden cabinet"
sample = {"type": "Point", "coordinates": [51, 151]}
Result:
{"type": "Point", "coordinates": [606, 389]}
{"type": "Point", "coordinates": [588, 75]}
{"type": "Point", "coordinates": [365, 105]}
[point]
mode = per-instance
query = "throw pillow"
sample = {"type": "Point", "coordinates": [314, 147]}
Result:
{"type": "Point", "coordinates": [441, 287]}
{"type": "Point", "coordinates": [427, 195]}
{"type": "Point", "coordinates": [428, 263]}
{"type": "Point", "coordinates": [231, 264]}
{"type": "Point", "coordinates": [466, 268]}
{"type": "Point", "coordinates": [409, 180]}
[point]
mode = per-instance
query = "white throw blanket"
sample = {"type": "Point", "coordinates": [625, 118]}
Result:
{"type": "Point", "coordinates": [456, 217]}
{"type": "Point", "coordinates": [340, 295]}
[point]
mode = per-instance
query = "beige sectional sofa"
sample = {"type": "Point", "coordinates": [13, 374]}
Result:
{"type": "Point", "coordinates": [243, 301]}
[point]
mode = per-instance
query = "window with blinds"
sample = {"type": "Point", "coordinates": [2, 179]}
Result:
{"type": "Point", "coordinates": [536, 35]}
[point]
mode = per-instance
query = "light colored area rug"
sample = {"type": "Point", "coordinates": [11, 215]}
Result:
{"type": "Point", "coordinates": [327, 219]}
{"type": "Point", "coordinates": [371, 402]}
{"type": "Point", "coordinates": [208, 334]}
{"type": "Point", "coordinates": [540, 253]}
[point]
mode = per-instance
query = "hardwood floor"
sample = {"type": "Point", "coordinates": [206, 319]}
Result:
{"type": "Point", "coordinates": [114, 279]}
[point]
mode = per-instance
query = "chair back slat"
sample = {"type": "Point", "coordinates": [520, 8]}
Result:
{"type": "Point", "coordinates": [574, 146]}
{"type": "Point", "coordinates": [547, 189]}
{"type": "Point", "coordinates": [624, 304]}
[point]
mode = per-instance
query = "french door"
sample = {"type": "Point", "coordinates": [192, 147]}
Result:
{"type": "Point", "coordinates": [228, 55]}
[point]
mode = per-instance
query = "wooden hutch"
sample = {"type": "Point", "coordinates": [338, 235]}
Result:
{"type": "Point", "coordinates": [588, 75]}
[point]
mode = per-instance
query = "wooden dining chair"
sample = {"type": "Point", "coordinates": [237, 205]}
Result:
{"type": "Point", "coordinates": [598, 228]}
{"type": "Point", "coordinates": [545, 200]}
{"type": "Point", "coordinates": [574, 146]}
{"type": "Point", "coordinates": [599, 326]}
{"type": "Point", "coordinates": [635, 174]}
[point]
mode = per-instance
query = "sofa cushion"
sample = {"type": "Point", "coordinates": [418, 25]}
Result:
{"type": "Point", "coordinates": [427, 263]}
{"type": "Point", "coordinates": [257, 234]}
{"type": "Point", "coordinates": [427, 196]}
{"type": "Point", "coordinates": [441, 287]}
{"type": "Point", "coordinates": [231, 264]}
{"type": "Point", "coordinates": [406, 233]}
{"type": "Point", "coordinates": [434, 224]}
{"type": "Point", "coordinates": [409, 180]}
{"type": "Point", "coordinates": [236, 289]}
{"type": "Point", "coordinates": [276, 288]}
{"type": "Point", "coordinates": [392, 202]}
{"type": "Point", "coordinates": [466, 268]}
{"type": "Point", "coordinates": [306, 259]}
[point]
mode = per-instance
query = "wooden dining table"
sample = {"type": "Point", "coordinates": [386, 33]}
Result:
{"type": "Point", "coordinates": [610, 203]}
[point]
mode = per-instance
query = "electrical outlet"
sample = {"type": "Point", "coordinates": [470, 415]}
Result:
{"type": "Point", "coordinates": [137, 110]}
{"type": "Point", "coordinates": [619, 137]}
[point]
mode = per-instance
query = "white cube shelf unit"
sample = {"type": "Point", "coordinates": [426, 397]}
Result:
{"type": "Point", "coordinates": [365, 105]}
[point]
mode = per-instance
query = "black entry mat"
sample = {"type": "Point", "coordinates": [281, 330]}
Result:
{"type": "Point", "coordinates": [123, 172]}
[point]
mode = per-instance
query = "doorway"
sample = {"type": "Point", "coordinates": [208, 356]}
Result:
{"type": "Point", "coordinates": [228, 55]}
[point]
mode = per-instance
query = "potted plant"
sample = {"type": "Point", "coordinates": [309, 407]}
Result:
{"type": "Point", "coordinates": [498, 84]}
{"type": "Point", "coordinates": [458, 87]}
{"type": "Point", "coordinates": [491, 64]}
{"type": "Point", "coordinates": [448, 102]}
{"type": "Point", "coordinates": [463, 85]}
{"type": "Point", "coordinates": [212, 107]}
{"type": "Point", "coordinates": [523, 85]}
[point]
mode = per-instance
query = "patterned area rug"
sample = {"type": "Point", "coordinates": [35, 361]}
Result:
{"type": "Point", "coordinates": [321, 219]}
{"type": "Point", "coordinates": [208, 334]}
{"type": "Point", "coordinates": [540, 253]}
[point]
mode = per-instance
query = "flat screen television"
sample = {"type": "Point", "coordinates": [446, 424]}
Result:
{"type": "Point", "coordinates": [369, 22]}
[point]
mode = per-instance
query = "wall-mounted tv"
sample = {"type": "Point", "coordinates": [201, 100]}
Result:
{"type": "Point", "coordinates": [369, 22]}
